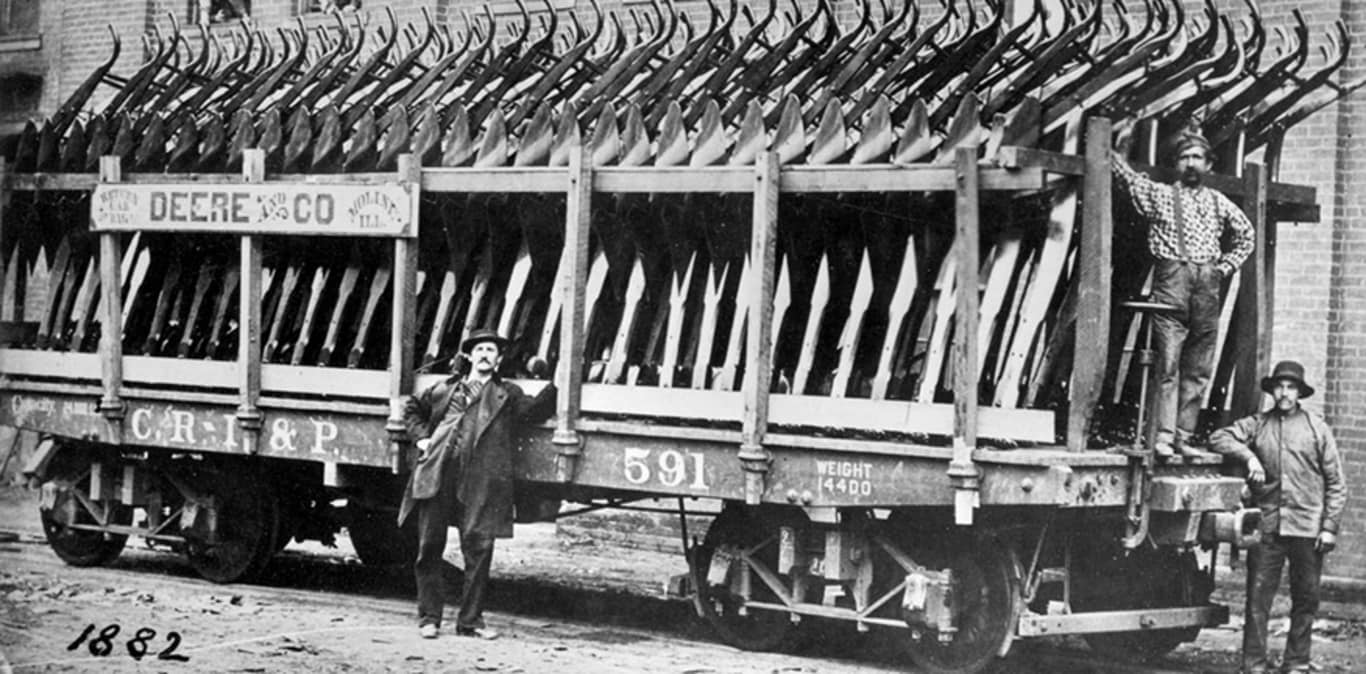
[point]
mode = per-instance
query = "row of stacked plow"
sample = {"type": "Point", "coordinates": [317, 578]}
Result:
{"type": "Point", "coordinates": [865, 287]}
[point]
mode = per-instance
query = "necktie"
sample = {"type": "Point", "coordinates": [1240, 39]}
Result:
{"type": "Point", "coordinates": [461, 399]}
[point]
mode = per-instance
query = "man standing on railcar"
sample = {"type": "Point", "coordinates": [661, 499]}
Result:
{"type": "Point", "coordinates": [1296, 478]}
{"type": "Point", "coordinates": [465, 430]}
{"type": "Point", "coordinates": [1186, 221]}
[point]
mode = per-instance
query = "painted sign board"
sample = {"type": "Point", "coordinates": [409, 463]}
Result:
{"type": "Point", "coordinates": [290, 434]}
{"type": "Point", "coordinates": [341, 209]}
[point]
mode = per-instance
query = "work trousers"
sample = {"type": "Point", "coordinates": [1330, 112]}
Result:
{"type": "Point", "coordinates": [433, 519]}
{"type": "Point", "coordinates": [1264, 562]}
{"type": "Point", "coordinates": [1184, 344]}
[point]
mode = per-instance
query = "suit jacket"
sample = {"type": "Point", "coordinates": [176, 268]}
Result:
{"type": "Point", "coordinates": [471, 462]}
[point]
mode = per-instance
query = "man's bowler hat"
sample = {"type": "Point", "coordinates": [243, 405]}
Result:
{"type": "Point", "coordinates": [1287, 370]}
{"type": "Point", "coordinates": [483, 335]}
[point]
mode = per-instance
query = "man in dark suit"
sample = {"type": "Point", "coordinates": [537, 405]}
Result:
{"type": "Point", "coordinates": [465, 429]}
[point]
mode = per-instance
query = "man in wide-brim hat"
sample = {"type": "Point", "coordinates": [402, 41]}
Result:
{"type": "Point", "coordinates": [1185, 223]}
{"type": "Point", "coordinates": [1296, 478]}
{"type": "Point", "coordinates": [465, 430]}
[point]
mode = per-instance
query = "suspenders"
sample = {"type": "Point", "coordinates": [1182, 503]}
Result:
{"type": "Point", "coordinates": [1180, 224]}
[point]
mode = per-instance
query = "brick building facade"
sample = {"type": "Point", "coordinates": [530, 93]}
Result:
{"type": "Point", "coordinates": [48, 48]}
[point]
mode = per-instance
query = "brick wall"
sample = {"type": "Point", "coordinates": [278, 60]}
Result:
{"type": "Point", "coordinates": [1302, 287]}
{"type": "Point", "coordinates": [1345, 392]}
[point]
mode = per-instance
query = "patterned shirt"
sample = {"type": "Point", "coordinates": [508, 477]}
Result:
{"type": "Point", "coordinates": [1207, 214]}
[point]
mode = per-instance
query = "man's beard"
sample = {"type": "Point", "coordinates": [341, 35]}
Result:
{"type": "Point", "coordinates": [1191, 178]}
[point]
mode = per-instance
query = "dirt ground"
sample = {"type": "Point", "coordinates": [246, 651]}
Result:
{"type": "Point", "coordinates": [560, 606]}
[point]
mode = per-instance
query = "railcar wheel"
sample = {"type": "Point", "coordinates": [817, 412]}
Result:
{"type": "Point", "coordinates": [378, 540]}
{"type": "Point", "coordinates": [1146, 578]}
{"type": "Point", "coordinates": [985, 588]}
{"type": "Point", "coordinates": [245, 538]}
{"type": "Point", "coordinates": [749, 629]}
{"type": "Point", "coordinates": [80, 547]}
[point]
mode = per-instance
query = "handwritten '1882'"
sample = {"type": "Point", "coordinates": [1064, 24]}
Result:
{"type": "Point", "coordinates": [103, 643]}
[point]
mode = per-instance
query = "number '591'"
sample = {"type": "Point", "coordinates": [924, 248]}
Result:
{"type": "Point", "coordinates": [670, 467]}
{"type": "Point", "coordinates": [102, 644]}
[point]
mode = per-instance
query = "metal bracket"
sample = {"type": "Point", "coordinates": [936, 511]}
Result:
{"type": "Point", "coordinates": [568, 448]}
{"type": "Point", "coordinates": [755, 461]}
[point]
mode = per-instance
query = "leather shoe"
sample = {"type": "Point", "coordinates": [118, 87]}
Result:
{"type": "Point", "coordinates": [1164, 449]}
{"type": "Point", "coordinates": [478, 632]}
{"type": "Point", "coordinates": [1192, 452]}
{"type": "Point", "coordinates": [428, 631]}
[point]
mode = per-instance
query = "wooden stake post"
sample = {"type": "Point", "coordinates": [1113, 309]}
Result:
{"type": "Point", "coordinates": [111, 330]}
{"type": "Point", "coordinates": [403, 325]}
{"type": "Point", "coordinates": [571, 287]}
{"type": "Point", "coordinates": [4, 202]}
{"type": "Point", "coordinates": [963, 472]}
{"type": "Point", "coordinates": [1252, 324]}
{"type": "Point", "coordinates": [754, 459]}
{"type": "Point", "coordinates": [249, 319]}
{"type": "Point", "coordinates": [1093, 286]}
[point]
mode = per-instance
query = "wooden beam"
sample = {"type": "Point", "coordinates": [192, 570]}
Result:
{"type": "Point", "coordinates": [1092, 335]}
{"type": "Point", "coordinates": [1288, 212]}
{"type": "Point", "coordinates": [1252, 330]}
{"type": "Point", "coordinates": [903, 178]}
{"type": "Point", "coordinates": [1014, 156]}
{"type": "Point", "coordinates": [111, 337]}
{"type": "Point", "coordinates": [737, 179]}
{"type": "Point", "coordinates": [1267, 319]}
{"type": "Point", "coordinates": [1121, 621]}
{"type": "Point", "coordinates": [962, 471]}
{"type": "Point", "coordinates": [249, 319]}
{"type": "Point", "coordinates": [520, 179]}
{"type": "Point", "coordinates": [6, 310]}
{"type": "Point", "coordinates": [56, 182]}
{"type": "Point", "coordinates": [763, 246]}
{"type": "Point", "coordinates": [403, 322]}
{"type": "Point", "coordinates": [1020, 168]}
{"type": "Point", "coordinates": [571, 287]}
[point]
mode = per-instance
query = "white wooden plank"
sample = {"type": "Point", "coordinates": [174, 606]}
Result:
{"type": "Point", "coordinates": [792, 410]}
